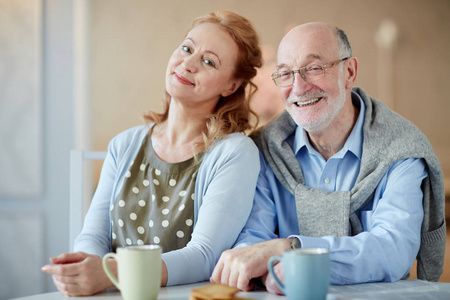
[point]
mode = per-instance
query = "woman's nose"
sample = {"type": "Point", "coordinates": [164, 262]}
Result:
{"type": "Point", "coordinates": [190, 63]}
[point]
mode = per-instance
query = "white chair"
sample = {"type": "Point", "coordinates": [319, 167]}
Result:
{"type": "Point", "coordinates": [81, 188]}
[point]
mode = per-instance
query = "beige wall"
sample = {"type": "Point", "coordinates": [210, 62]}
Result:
{"type": "Point", "coordinates": [133, 40]}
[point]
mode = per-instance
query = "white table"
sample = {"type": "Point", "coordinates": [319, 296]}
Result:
{"type": "Point", "coordinates": [404, 289]}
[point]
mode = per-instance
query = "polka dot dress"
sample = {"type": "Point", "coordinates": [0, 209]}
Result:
{"type": "Point", "coordinates": [156, 203]}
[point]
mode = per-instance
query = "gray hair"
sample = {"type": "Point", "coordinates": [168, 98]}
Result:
{"type": "Point", "coordinates": [345, 50]}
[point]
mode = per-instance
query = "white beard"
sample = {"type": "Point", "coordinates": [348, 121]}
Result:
{"type": "Point", "coordinates": [324, 119]}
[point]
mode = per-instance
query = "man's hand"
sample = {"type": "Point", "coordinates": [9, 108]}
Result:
{"type": "Point", "coordinates": [237, 267]}
{"type": "Point", "coordinates": [79, 274]}
{"type": "Point", "coordinates": [269, 282]}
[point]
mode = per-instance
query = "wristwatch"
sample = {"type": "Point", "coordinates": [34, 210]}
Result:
{"type": "Point", "coordinates": [295, 242]}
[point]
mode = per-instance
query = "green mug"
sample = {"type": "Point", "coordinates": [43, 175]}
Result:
{"type": "Point", "coordinates": [139, 271]}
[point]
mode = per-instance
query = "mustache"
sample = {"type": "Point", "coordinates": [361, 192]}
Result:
{"type": "Point", "coordinates": [307, 96]}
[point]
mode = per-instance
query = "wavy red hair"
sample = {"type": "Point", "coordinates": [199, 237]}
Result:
{"type": "Point", "coordinates": [232, 113]}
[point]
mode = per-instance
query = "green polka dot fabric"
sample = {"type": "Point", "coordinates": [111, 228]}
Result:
{"type": "Point", "coordinates": [156, 203]}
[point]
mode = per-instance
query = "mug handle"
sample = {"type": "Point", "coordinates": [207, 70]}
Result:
{"type": "Point", "coordinates": [108, 271]}
{"type": "Point", "coordinates": [270, 265]}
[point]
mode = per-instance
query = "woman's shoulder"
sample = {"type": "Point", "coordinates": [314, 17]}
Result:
{"type": "Point", "coordinates": [136, 132]}
{"type": "Point", "coordinates": [235, 141]}
{"type": "Point", "coordinates": [235, 146]}
{"type": "Point", "coordinates": [129, 138]}
{"type": "Point", "coordinates": [233, 152]}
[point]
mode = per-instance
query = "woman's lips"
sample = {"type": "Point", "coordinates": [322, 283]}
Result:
{"type": "Point", "coordinates": [182, 79]}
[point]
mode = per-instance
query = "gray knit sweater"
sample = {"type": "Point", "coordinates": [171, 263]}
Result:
{"type": "Point", "coordinates": [388, 138]}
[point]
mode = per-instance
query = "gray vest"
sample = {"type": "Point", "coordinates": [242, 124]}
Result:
{"type": "Point", "coordinates": [388, 138]}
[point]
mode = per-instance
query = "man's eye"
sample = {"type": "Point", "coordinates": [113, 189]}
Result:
{"type": "Point", "coordinates": [314, 68]}
{"type": "Point", "coordinates": [286, 74]}
{"type": "Point", "coordinates": [186, 49]}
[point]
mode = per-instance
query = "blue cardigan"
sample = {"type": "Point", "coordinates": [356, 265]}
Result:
{"type": "Point", "coordinates": [224, 193]}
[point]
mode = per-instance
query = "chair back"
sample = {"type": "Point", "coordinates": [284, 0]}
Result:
{"type": "Point", "coordinates": [81, 188]}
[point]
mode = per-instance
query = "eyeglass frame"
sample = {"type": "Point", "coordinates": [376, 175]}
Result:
{"type": "Point", "coordinates": [325, 67]}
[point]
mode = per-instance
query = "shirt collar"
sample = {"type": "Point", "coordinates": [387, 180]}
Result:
{"type": "Point", "coordinates": [353, 143]}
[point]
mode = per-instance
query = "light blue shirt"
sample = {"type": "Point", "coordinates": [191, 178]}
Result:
{"type": "Point", "coordinates": [387, 248]}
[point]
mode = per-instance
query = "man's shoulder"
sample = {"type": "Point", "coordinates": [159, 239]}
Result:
{"type": "Point", "coordinates": [381, 122]}
{"type": "Point", "coordinates": [389, 137]}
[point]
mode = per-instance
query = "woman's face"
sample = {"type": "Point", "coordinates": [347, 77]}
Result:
{"type": "Point", "coordinates": [201, 69]}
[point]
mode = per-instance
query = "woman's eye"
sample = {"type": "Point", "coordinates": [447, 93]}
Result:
{"type": "Point", "coordinates": [209, 62]}
{"type": "Point", "coordinates": [186, 49]}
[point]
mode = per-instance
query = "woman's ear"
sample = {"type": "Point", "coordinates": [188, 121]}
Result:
{"type": "Point", "coordinates": [235, 84]}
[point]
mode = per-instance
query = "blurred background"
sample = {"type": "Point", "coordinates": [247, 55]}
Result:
{"type": "Point", "coordinates": [74, 73]}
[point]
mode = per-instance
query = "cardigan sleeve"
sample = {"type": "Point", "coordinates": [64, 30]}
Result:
{"type": "Point", "coordinates": [224, 195]}
{"type": "Point", "coordinates": [95, 237]}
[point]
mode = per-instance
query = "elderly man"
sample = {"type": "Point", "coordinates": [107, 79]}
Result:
{"type": "Point", "coordinates": [339, 171]}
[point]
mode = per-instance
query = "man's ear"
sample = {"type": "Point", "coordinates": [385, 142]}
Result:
{"type": "Point", "coordinates": [233, 87]}
{"type": "Point", "coordinates": [351, 72]}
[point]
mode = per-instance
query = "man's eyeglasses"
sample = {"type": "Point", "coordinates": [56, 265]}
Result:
{"type": "Point", "coordinates": [309, 73]}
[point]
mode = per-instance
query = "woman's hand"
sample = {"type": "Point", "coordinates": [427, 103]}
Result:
{"type": "Point", "coordinates": [79, 274]}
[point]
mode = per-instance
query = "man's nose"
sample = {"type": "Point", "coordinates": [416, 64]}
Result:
{"type": "Point", "coordinates": [300, 85]}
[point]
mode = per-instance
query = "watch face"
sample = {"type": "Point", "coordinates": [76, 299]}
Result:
{"type": "Point", "coordinates": [295, 243]}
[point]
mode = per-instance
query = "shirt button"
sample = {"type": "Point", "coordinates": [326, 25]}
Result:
{"type": "Point", "coordinates": [327, 180]}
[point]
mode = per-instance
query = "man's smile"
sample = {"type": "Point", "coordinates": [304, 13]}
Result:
{"type": "Point", "coordinates": [309, 102]}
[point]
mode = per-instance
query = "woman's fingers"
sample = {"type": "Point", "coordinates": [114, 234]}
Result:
{"type": "Point", "coordinates": [62, 270]}
{"type": "Point", "coordinates": [78, 274]}
{"type": "Point", "coordinates": [68, 258]}
{"type": "Point", "coordinates": [68, 289]}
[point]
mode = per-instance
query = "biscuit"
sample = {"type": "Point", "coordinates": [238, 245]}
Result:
{"type": "Point", "coordinates": [214, 292]}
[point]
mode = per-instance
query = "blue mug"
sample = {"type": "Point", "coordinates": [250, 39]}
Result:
{"type": "Point", "coordinates": [306, 273]}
